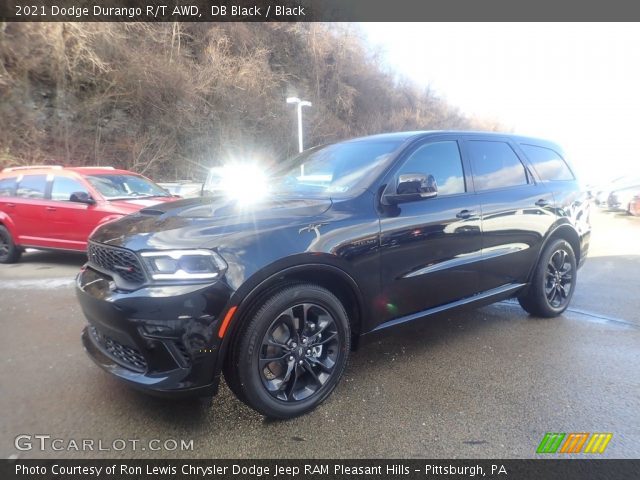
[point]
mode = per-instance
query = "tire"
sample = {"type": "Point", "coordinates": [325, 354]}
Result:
{"type": "Point", "coordinates": [292, 353]}
{"type": "Point", "coordinates": [9, 251]}
{"type": "Point", "coordinates": [553, 281]}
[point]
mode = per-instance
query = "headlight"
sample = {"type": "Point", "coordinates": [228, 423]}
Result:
{"type": "Point", "coordinates": [184, 264]}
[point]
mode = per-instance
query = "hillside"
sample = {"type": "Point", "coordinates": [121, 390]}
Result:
{"type": "Point", "coordinates": [170, 99]}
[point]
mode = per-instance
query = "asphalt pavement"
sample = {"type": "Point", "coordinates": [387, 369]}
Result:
{"type": "Point", "coordinates": [487, 383]}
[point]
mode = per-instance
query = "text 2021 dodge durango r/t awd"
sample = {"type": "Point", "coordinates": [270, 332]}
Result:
{"type": "Point", "coordinates": [349, 238]}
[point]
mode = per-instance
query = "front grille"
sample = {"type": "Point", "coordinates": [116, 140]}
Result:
{"type": "Point", "coordinates": [117, 261]}
{"type": "Point", "coordinates": [126, 356]}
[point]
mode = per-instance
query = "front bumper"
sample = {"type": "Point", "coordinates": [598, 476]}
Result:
{"type": "Point", "coordinates": [161, 339]}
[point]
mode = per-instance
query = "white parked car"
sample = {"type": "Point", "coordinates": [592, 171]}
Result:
{"type": "Point", "coordinates": [184, 189]}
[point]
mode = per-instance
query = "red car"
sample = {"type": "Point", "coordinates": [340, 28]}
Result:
{"type": "Point", "coordinates": [52, 207]}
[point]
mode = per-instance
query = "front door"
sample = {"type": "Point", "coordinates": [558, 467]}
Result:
{"type": "Point", "coordinates": [430, 248]}
{"type": "Point", "coordinates": [71, 222]}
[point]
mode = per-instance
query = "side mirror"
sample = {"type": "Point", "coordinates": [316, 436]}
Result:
{"type": "Point", "coordinates": [413, 186]}
{"type": "Point", "coordinates": [82, 197]}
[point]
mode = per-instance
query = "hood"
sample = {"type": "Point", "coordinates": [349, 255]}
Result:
{"type": "Point", "coordinates": [126, 207]}
{"type": "Point", "coordinates": [201, 222]}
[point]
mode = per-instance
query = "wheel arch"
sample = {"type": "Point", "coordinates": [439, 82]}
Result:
{"type": "Point", "coordinates": [333, 278]}
{"type": "Point", "coordinates": [564, 232]}
{"type": "Point", "coordinates": [6, 222]}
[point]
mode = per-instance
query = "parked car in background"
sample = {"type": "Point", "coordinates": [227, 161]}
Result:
{"type": "Point", "coordinates": [634, 205]}
{"type": "Point", "coordinates": [214, 184]}
{"type": "Point", "coordinates": [274, 289]}
{"type": "Point", "coordinates": [620, 199]}
{"type": "Point", "coordinates": [183, 188]}
{"type": "Point", "coordinates": [601, 193]}
{"type": "Point", "coordinates": [52, 207]}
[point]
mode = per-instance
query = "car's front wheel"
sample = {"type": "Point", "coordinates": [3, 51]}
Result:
{"type": "Point", "coordinates": [9, 251]}
{"type": "Point", "coordinates": [290, 356]}
{"type": "Point", "coordinates": [553, 281]}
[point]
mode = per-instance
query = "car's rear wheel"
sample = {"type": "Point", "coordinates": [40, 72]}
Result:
{"type": "Point", "coordinates": [9, 251]}
{"type": "Point", "coordinates": [553, 282]}
{"type": "Point", "coordinates": [291, 354]}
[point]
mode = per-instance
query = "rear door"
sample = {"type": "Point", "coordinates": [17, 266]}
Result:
{"type": "Point", "coordinates": [516, 211]}
{"type": "Point", "coordinates": [430, 248]}
{"type": "Point", "coordinates": [30, 210]}
{"type": "Point", "coordinates": [7, 196]}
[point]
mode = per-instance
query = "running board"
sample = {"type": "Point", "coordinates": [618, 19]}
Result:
{"type": "Point", "coordinates": [475, 298]}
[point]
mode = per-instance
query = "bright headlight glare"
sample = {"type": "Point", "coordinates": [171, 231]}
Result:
{"type": "Point", "coordinates": [184, 264]}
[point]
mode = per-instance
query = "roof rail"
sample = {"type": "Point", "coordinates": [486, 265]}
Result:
{"type": "Point", "coordinates": [31, 167]}
{"type": "Point", "coordinates": [95, 166]}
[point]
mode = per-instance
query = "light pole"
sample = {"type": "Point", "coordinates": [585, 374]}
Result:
{"type": "Point", "coordinates": [299, 103]}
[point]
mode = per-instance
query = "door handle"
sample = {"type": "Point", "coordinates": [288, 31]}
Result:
{"type": "Point", "coordinates": [11, 205]}
{"type": "Point", "coordinates": [464, 214]}
{"type": "Point", "coordinates": [50, 209]}
{"type": "Point", "coordinates": [542, 203]}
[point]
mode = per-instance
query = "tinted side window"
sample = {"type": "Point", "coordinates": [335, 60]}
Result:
{"type": "Point", "coordinates": [495, 165]}
{"type": "Point", "coordinates": [7, 187]}
{"type": "Point", "coordinates": [442, 160]}
{"type": "Point", "coordinates": [548, 164]}
{"type": "Point", "coordinates": [63, 187]}
{"type": "Point", "coordinates": [32, 186]}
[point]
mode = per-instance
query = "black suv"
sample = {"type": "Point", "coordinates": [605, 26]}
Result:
{"type": "Point", "coordinates": [274, 286]}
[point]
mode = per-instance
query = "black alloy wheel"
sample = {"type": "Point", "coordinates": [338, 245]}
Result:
{"type": "Point", "coordinates": [4, 247]}
{"type": "Point", "coordinates": [9, 251]}
{"type": "Point", "coordinates": [553, 281]}
{"type": "Point", "coordinates": [559, 279]}
{"type": "Point", "coordinates": [291, 354]}
{"type": "Point", "coordinates": [299, 352]}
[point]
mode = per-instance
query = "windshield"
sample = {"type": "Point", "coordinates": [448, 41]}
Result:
{"type": "Point", "coordinates": [337, 169]}
{"type": "Point", "coordinates": [121, 186]}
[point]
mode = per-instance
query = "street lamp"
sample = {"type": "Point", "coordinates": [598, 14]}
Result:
{"type": "Point", "coordinates": [300, 104]}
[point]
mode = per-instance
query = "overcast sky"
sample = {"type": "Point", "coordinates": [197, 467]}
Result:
{"type": "Point", "coordinates": [577, 84]}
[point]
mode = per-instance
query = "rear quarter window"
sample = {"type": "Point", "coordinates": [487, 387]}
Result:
{"type": "Point", "coordinates": [7, 187]}
{"type": "Point", "coordinates": [547, 163]}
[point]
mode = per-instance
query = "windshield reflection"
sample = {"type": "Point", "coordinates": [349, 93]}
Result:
{"type": "Point", "coordinates": [122, 186]}
{"type": "Point", "coordinates": [336, 169]}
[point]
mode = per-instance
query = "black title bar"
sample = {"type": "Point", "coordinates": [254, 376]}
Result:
{"type": "Point", "coordinates": [391, 469]}
{"type": "Point", "coordinates": [315, 10]}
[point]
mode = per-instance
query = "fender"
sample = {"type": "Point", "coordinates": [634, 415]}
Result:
{"type": "Point", "coordinates": [571, 236]}
{"type": "Point", "coordinates": [8, 223]}
{"type": "Point", "coordinates": [244, 297]}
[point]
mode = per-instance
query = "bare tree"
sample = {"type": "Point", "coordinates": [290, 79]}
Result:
{"type": "Point", "coordinates": [171, 99]}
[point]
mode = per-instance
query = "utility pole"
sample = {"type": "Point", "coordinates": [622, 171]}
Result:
{"type": "Point", "coordinates": [299, 104]}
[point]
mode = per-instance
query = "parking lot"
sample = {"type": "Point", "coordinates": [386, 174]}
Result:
{"type": "Point", "coordinates": [486, 383]}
